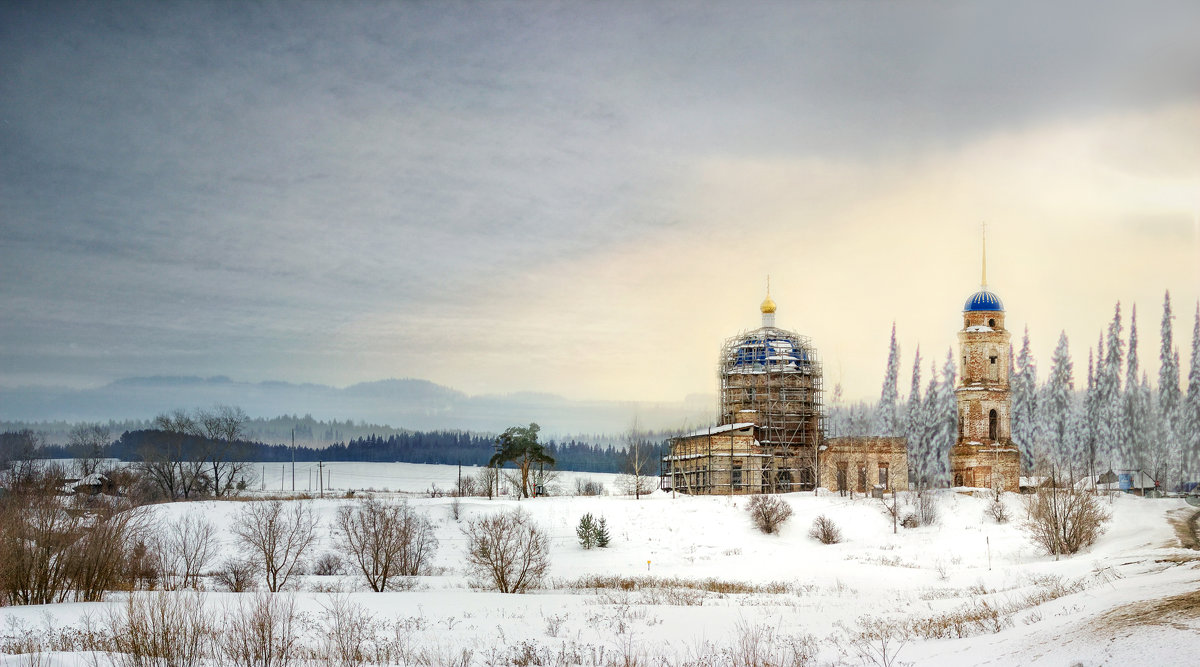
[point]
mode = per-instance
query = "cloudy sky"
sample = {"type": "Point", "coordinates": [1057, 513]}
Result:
{"type": "Point", "coordinates": [581, 198]}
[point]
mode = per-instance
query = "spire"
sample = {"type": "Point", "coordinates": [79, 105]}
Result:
{"type": "Point", "coordinates": [983, 279]}
{"type": "Point", "coordinates": [768, 307]}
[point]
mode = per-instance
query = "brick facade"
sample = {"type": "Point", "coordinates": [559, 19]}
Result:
{"type": "Point", "coordinates": [984, 454]}
{"type": "Point", "coordinates": [860, 464]}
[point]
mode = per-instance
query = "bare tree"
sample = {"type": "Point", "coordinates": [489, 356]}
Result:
{"type": "Point", "coordinates": [277, 537]}
{"type": "Point", "coordinates": [507, 551]}
{"type": "Point", "coordinates": [636, 480]}
{"type": "Point", "coordinates": [86, 443]}
{"type": "Point", "coordinates": [174, 464]}
{"type": "Point", "coordinates": [224, 427]}
{"type": "Point", "coordinates": [185, 548]}
{"type": "Point", "coordinates": [489, 479]}
{"type": "Point", "coordinates": [385, 540]}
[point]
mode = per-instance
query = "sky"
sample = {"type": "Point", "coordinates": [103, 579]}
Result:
{"type": "Point", "coordinates": [578, 198]}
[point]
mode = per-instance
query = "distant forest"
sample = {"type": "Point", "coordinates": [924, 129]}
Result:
{"type": "Point", "coordinates": [444, 447]}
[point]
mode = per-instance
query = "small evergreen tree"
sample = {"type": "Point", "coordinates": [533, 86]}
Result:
{"type": "Point", "coordinates": [602, 537]}
{"type": "Point", "coordinates": [586, 531]}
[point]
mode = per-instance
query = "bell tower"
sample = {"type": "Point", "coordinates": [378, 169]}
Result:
{"type": "Point", "coordinates": [984, 454]}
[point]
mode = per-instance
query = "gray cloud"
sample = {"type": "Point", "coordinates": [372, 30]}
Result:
{"type": "Point", "coordinates": [209, 187]}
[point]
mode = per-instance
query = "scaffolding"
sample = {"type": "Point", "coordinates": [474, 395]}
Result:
{"type": "Point", "coordinates": [771, 378]}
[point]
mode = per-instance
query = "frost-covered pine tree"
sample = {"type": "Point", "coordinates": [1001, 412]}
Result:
{"type": "Point", "coordinates": [1169, 396]}
{"type": "Point", "coordinates": [1024, 403]}
{"type": "Point", "coordinates": [1134, 421]}
{"type": "Point", "coordinates": [942, 414]}
{"type": "Point", "coordinates": [1091, 411]}
{"type": "Point", "coordinates": [889, 398]}
{"type": "Point", "coordinates": [1110, 429]}
{"type": "Point", "coordinates": [1190, 419]}
{"type": "Point", "coordinates": [1076, 441]}
{"type": "Point", "coordinates": [1056, 406]}
{"type": "Point", "coordinates": [914, 424]}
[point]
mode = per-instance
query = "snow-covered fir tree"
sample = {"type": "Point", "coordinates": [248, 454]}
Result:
{"type": "Point", "coordinates": [941, 409]}
{"type": "Point", "coordinates": [914, 428]}
{"type": "Point", "coordinates": [1055, 409]}
{"type": "Point", "coordinates": [1024, 403]}
{"type": "Point", "coordinates": [1111, 429]}
{"type": "Point", "coordinates": [1169, 396]}
{"type": "Point", "coordinates": [1189, 421]}
{"type": "Point", "coordinates": [1091, 411]}
{"type": "Point", "coordinates": [889, 397]}
{"type": "Point", "coordinates": [1133, 443]}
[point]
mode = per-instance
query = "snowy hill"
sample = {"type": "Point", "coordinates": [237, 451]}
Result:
{"type": "Point", "coordinates": [703, 583]}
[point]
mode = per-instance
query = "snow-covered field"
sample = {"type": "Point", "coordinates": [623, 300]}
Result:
{"type": "Point", "coordinates": [989, 597]}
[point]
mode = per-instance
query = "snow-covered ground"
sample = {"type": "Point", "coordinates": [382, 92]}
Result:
{"type": "Point", "coordinates": [1132, 598]}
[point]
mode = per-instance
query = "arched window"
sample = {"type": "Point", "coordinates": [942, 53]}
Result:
{"type": "Point", "coordinates": [992, 323]}
{"type": "Point", "coordinates": [993, 425]}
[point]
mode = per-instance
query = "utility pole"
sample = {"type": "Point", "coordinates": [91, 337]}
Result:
{"type": "Point", "coordinates": [321, 477]}
{"type": "Point", "coordinates": [293, 459]}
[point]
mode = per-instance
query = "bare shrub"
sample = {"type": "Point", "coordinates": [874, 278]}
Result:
{"type": "Point", "coordinates": [998, 511]}
{"type": "Point", "coordinates": [347, 632]}
{"type": "Point", "coordinates": [768, 512]}
{"type": "Point", "coordinates": [328, 565]}
{"type": "Point", "coordinates": [53, 547]}
{"type": "Point", "coordinates": [237, 575]}
{"type": "Point", "coordinates": [636, 484]}
{"type": "Point", "coordinates": [877, 641]}
{"type": "Point", "coordinates": [260, 633]}
{"type": "Point", "coordinates": [924, 511]}
{"type": "Point", "coordinates": [278, 538]}
{"type": "Point", "coordinates": [588, 487]}
{"type": "Point", "coordinates": [466, 486]}
{"type": "Point", "coordinates": [825, 530]}
{"type": "Point", "coordinates": [507, 551]}
{"type": "Point", "coordinates": [185, 547]}
{"type": "Point", "coordinates": [1064, 520]}
{"type": "Point", "coordinates": [758, 644]}
{"type": "Point", "coordinates": [160, 630]}
{"type": "Point", "coordinates": [385, 540]}
{"type": "Point", "coordinates": [100, 558]}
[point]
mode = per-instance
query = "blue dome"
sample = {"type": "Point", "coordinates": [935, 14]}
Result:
{"type": "Point", "coordinates": [984, 299]}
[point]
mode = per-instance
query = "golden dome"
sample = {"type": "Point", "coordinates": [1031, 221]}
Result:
{"type": "Point", "coordinates": [768, 305]}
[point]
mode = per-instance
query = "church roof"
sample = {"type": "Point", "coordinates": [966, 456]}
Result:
{"type": "Point", "coordinates": [984, 299]}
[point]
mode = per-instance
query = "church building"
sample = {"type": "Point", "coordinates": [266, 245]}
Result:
{"type": "Point", "coordinates": [770, 436]}
{"type": "Point", "coordinates": [984, 454]}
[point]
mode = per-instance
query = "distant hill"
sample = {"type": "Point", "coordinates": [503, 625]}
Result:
{"type": "Point", "coordinates": [398, 403]}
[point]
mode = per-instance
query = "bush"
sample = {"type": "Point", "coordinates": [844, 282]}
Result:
{"type": "Point", "coordinates": [768, 512]}
{"type": "Point", "coordinates": [328, 565]}
{"type": "Point", "coordinates": [1064, 520]}
{"type": "Point", "coordinates": [276, 537]}
{"type": "Point", "coordinates": [237, 575]}
{"type": "Point", "coordinates": [385, 540]}
{"type": "Point", "coordinates": [507, 551]}
{"type": "Point", "coordinates": [261, 633]}
{"type": "Point", "coordinates": [160, 630]}
{"type": "Point", "coordinates": [998, 511]}
{"type": "Point", "coordinates": [588, 487]}
{"type": "Point", "coordinates": [825, 530]}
